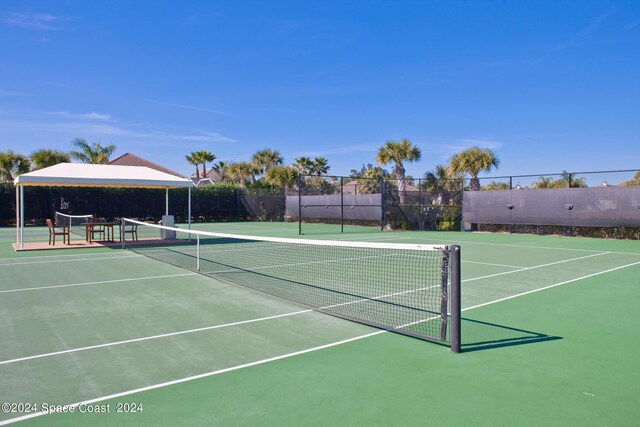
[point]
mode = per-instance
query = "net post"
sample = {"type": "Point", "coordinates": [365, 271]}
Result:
{"type": "Point", "coordinates": [198, 252]}
{"type": "Point", "coordinates": [122, 232]}
{"type": "Point", "coordinates": [455, 298]}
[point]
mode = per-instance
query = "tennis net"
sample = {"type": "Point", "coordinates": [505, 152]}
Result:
{"type": "Point", "coordinates": [410, 289]}
{"type": "Point", "coordinates": [76, 223]}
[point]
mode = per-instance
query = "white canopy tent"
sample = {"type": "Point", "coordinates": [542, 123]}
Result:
{"type": "Point", "coordinates": [88, 175]}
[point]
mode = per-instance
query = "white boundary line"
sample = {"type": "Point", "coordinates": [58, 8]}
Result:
{"type": "Point", "coordinates": [551, 286]}
{"type": "Point", "coordinates": [119, 252]}
{"type": "Point", "coordinates": [288, 355]}
{"type": "Point", "coordinates": [152, 337]}
{"type": "Point", "coordinates": [68, 260]}
{"type": "Point", "coordinates": [199, 376]}
{"type": "Point", "coordinates": [533, 267]}
{"type": "Point", "coordinates": [102, 282]}
{"type": "Point", "coordinates": [492, 264]}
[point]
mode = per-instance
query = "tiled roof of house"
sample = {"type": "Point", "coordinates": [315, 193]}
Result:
{"type": "Point", "coordinates": [129, 159]}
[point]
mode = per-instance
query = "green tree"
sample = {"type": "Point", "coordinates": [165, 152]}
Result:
{"type": "Point", "coordinates": [282, 176]}
{"type": "Point", "coordinates": [205, 157]}
{"type": "Point", "coordinates": [304, 165]}
{"type": "Point", "coordinates": [243, 172]}
{"type": "Point", "coordinates": [194, 160]}
{"type": "Point", "coordinates": [543, 182]}
{"type": "Point", "coordinates": [44, 158]}
{"type": "Point", "coordinates": [222, 169]}
{"type": "Point", "coordinates": [399, 152]}
{"type": "Point", "coordinates": [633, 181]}
{"type": "Point", "coordinates": [369, 178]}
{"type": "Point", "coordinates": [13, 164]}
{"type": "Point", "coordinates": [493, 185]}
{"type": "Point", "coordinates": [441, 178]}
{"type": "Point", "coordinates": [94, 153]}
{"type": "Point", "coordinates": [266, 159]}
{"type": "Point", "coordinates": [320, 166]}
{"type": "Point", "coordinates": [567, 180]}
{"type": "Point", "coordinates": [473, 161]}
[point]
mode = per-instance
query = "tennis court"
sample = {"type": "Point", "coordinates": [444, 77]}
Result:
{"type": "Point", "coordinates": [549, 337]}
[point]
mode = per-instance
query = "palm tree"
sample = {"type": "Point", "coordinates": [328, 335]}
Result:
{"type": "Point", "coordinates": [222, 169]}
{"type": "Point", "coordinates": [473, 161]}
{"type": "Point", "coordinates": [569, 180]}
{"type": "Point", "coordinates": [13, 164]}
{"type": "Point", "coordinates": [242, 172]}
{"type": "Point", "coordinates": [441, 179]}
{"type": "Point", "coordinates": [633, 181]}
{"type": "Point", "coordinates": [369, 178]}
{"type": "Point", "coordinates": [44, 158]}
{"type": "Point", "coordinates": [399, 152]}
{"type": "Point", "coordinates": [205, 157]}
{"type": "Point", "coordinates": [493, 185]}
{"type": "Point", "coordinates": [266, 159]}
{"type": "Point", "coordinates": [543, 182]}
{"type": "Point", "coordinates": [304, 165]}
{"type": "Point", "coordinates": [194, 159]}
{"type": "Point", "coordinates": [320, 166]}
{"type": "Point", "coordinates": [283, 176]}
{"type": "Point", "coordinates": [94, 153]}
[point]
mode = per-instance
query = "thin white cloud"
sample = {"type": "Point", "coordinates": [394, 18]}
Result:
{"type": "Point", "coordinates": [102, 129]}
{"type": "Point", "coordinates": [631, 25]}
{"type": "Point", "coordinates": [88, 116]}
{"type": "Point", "coordinates": [68, 86]}
{"type": "Point", "coordinates": [483, 143]}
{"type": "Point", "coordinates": [202, 137]}
{"type": "Point", "coordinates": [11, 93]}
{"type": "Point", "coordinates": [33, 21]}
{"type": "Point", "coordinates": [96, 116]}
{"type": "Point", "coordinates": [190, 107]}
{"type": "Point", "coordinates": [595, 23]}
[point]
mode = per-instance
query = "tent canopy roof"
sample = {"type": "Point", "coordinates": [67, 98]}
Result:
{"type": "Point", "coordinates": [89, 175]}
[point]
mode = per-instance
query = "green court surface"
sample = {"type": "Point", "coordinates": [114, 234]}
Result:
{"type": "Point", "coordinates": [549, 337]}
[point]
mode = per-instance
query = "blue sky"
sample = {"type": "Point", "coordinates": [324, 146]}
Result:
{"type": "Point", "coordinates": [547, 85]}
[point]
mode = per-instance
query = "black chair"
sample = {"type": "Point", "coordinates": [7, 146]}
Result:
{"type": "Point", "coordinates": [58, 231]}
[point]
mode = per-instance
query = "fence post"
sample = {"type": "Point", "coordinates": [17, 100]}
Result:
{"type": "Point", "coordinates": [382, 204]}
{"type": "Point", "coordinates": [300, 204]}
{"type": "Point", "coordinates": [238, 203]}
{"type": "Point", "coordinates": [341, 206]}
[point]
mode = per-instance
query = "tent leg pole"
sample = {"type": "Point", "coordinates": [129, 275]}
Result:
{"type": "Point", "coordinates": [17, 215]}
{"type": "Point", "coordinates": [22, 217]}
{"type": "Point", "coordinates": [189, 211]}
{"type": "Point", "coordinates": [166, 201]}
